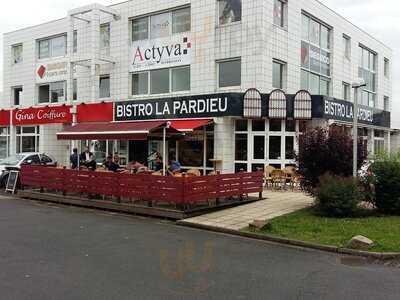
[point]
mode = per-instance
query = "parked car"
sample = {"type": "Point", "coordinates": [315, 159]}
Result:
{"type": "Point", "coordinates": [15, 162]}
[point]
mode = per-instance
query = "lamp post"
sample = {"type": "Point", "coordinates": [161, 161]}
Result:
{"type": "Point", "coordinates": [356, 86]}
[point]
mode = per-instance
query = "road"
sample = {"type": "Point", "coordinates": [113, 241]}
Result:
{"type": "Point", "coordinates": [60, 252]}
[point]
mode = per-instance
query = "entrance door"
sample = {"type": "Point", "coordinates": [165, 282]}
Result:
{"type": "Point", "coordinates": [138, 150]}
{"type": "Point", "coordinates": [258, 151]}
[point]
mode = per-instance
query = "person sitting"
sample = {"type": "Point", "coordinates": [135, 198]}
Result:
{"type": "Point", "coordinates": [136, 167]}
{"type": "Point", "coordinates": [174, 167]}
{"type": "Point", "coordinates": [73, 159]}
{"type": "Point", "coordinates": [88, 160]}
{"type": "Point", "coordinates": [110, 165]}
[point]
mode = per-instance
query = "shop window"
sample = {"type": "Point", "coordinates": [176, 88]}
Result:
{"type": "Point", "coordinates": [259, 147]}
{"type": "Point", "coordinates": [289, 147]}
{"type": "Point", "coordinates": [275, 125]}
{"type": "Point", "coordinates": [104, 86]}
{"type": "Point", "coordinates": [17, 93]}
{"type": "Point", "coordinates": [53, 47]}
{"type": "Point", "coordinates": [280, 13]}
{"type": "Point", "coordinates": [240, 167]}
{"type": "Point", "coordinates": [181, 20]}
{"type": "Point", "coordinates": [140, 83]}
{"type": "Point", "coordinates": [52, 92]}
{"type": "Point", "coordinates": [160, 25]}
{"type": "Point", "coordinates": [229, 11]}
{"type": "Point", "coordinates": [275, 147]}
{"type": "Point", "coordinates": [258, 125]}
{"type": "Point", "coordinates": [229, 73]}
{"type": "Point", "coordinates": [75, 41]}
{"type": "Point", "coordinates": [191, 150]}
{"type": "Point", "coordinates": [257, 167]}
{"type": "Point", "coordinates": [241, 150]}
{"type": "Point", "coordinates": [4, 142]}
{"type": "Point", "coordinates": [140, 29]}
{"type": "Point", "coordinates": [75, 90]}
{"type": "Point", "coordinates": [17, 53]}
{"type": "Point", "coordinates": [278, 70]}
{"type": "Point", "coordinates": [347, 47]}
{"type": "Point", "coordinates": [379, 146]}
{"type": "Point", "coordinates": [241, 125]}
{"type": "Point", "coordinates": [159, 81]}
{"type": "Point", "coordinates": [28, 139]}
{"type": "Point", "coordinates": [180, 79]}
{"type": "Point", "coordinates": [105, 35]}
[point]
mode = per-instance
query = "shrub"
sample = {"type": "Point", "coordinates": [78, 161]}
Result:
{"type": "Point", "coordinates": [326, 151]}
{"type": "Point", "coordinates": [337, 196]}
{"type": "Point", "coordinates": [386, 172]}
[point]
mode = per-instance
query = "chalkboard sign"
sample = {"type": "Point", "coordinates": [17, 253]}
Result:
{"type": "Point", "coordinates": [12, 181]}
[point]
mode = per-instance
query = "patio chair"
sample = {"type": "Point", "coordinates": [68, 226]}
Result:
{"type": "Point", "coordinates": [289, 175]}
{"type": "Point", "coordinates": [267, 175]}
{"type": "Point", "coordinates": [193, 172]}
{"type": "Point", "coordinates": [278, 178]}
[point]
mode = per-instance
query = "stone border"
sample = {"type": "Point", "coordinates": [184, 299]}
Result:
{"type": "Point", "coordinates": [296, 243]}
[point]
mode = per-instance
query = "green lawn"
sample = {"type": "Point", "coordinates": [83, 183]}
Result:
{"type": "Point", "coordinates": [306, 226]}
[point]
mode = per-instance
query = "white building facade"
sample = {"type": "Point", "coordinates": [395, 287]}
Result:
{"type": "Point", "coordinates": [165, 59]}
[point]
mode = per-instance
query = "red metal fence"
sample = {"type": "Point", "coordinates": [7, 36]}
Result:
{"type": "Point", "coordinates": [181, 190]}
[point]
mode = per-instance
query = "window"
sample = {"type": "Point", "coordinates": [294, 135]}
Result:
{"type": "Point", "coordinates": [52, 92]}
{"type": "Point", "coordinates": [4, 142]}
{"type": "Point", "coordinates": [75, 42]}
{"type": "Point", "coordinates": [275, 147]}
{"type": "Point", "coordinates": [229, 11]}
{"type": "Point", "coordinates": [17, 53]}
{"type": "Point", "coordinates": [161, 81]}
{"type": "Point", "coordinates": [75, 90]}
{"type": "Point", "coordinates": [386, 103]}
{"type": "Point", "coordinates": [28, 139]}
{"type": "Point", "coordinates": [280, 13]}
{"type": "Point", "coordinates": [346, 91]}
{"type": "Point", "coordinates": [367, 71]}
{"type": "Point", "coordinates": [315, 56]}
{"type": "Point", "coordinates": [347, 47]}
{"type": "Point", "coordinates": [386, 68]}
{"type": "Point", "coordinates": [104, 86]}
{"type": "Point", "coordinates": [161, 25]}
{"type": "Point", "coordinates": [277, 74]}
{"type": "Point", "coordinates": [229, 73]}
{"type": "Point", "coordinates": [241, 153]}
{"type": "Point", "coordinates": [17, 93]}
{"type": "Point", "coordinates": [53, 47]}
{"type": "Point", "coordinates": [105, 36]}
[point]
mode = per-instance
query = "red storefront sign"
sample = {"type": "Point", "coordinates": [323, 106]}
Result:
{"type": "Point", "coordinates": [42, 115]}
{"type": "Point", "coordinates": [97, 112]}
{"type": "Point", "coordinates": [5, 118]}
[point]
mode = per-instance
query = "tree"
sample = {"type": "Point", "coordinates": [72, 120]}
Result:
{"type": "Point", "coordinates": [324, 151]}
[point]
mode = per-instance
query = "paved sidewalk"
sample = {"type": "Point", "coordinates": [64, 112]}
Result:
{"type": "Point", "coordinates": [276, 204]}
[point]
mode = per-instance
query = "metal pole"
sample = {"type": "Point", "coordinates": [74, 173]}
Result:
{"type": "Point", "coordinates": [164, 151]}
{"type": "Point", "coordinates": [355, 133]}
{"type": "Point", "coordinates": [205, 151]}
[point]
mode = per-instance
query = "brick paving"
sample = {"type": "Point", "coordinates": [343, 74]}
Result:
{"type": "Point", "coordinates": [276, 204]}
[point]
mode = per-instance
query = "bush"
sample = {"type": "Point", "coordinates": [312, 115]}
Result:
{"type": "Point", "coordinates": [337, 196]}
{"type": "Point", "coordinates": [326, 151]}
{"type": "Point", "coordinates": [386, 173]}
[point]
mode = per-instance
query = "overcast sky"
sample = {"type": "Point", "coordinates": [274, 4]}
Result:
{"type": "Point", "coordinates": [379, 17]}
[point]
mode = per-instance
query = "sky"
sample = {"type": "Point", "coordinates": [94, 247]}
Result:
{"type": "Point", "coordinates": [378, 17]}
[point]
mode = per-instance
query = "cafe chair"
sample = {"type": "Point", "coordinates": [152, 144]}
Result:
{"type": "Point", "coordinates": [193, 172]}
{"type": "Point", "coordinates": [267, 175]}
{"type": "Point", "coordinates": [278, 178]}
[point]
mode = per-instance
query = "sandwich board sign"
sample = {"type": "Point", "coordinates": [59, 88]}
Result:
{"type": "Point", "coordinates": [12, 181]}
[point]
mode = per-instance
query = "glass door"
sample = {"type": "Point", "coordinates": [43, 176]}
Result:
{"type": "Point", "coordinates": [258, 151]}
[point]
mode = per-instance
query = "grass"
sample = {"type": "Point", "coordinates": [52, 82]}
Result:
{"type": "Point", "coordinates": [304, 225]}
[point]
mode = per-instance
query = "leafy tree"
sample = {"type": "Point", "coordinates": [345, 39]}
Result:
{"type": "Point", "coordinates": [324, 151]}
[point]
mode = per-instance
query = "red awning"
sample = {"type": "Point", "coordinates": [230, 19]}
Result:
{"type": "Point", "coordinates": [113, 131]}
{"type": "Point", "coordinates": [189, 125]}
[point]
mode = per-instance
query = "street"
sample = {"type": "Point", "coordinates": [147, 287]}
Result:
{"type": "Point", "coordinates": [61, 252]}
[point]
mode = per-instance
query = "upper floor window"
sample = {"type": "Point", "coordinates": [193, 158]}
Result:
{"type": "Point", "coordinates": [229, 11]}
{"type": "Point", "coordinates": [17, 93]}
{"type": "Point", "coordinates": [386, 103]}
{"type": "Point", "coordinates": [367, 71]}
{"type": "Point", "coordinates": [75, 41]}
{"type": "Point", "coordinates": [104, 86]}
{"type": "Point", "coordinates": [346, 91]}
{"type": "Point", "coordinates": [278, 69]}
{"type": "Point", "coordinates": [280, 13]}
{"type": "Point", "coordinates": [386, 67]}
{"type": "Point", "coordinates": [17, 53]}
{"type": "Point", "coordinates": [347, 46]}
{"type": "Point", "coordinates": [53, 47]}
{"type": "Point", "coordinates": [161, 25]}
{"type": "Point", "coordinates": [229, 73]}
{"type": "Point", "coordinates": [105, 36]}
{"type": "Point", "coordinates": [53, 92]}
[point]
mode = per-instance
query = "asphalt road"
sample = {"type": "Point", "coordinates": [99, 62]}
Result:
{"type": "Point", "coordinates": [59, 252]}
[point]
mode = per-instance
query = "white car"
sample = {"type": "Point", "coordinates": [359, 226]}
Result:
{"type": "Point", "coordinates": [14, 162]}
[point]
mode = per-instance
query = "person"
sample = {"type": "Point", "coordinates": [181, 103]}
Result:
{"type": "Point", "coordinates": [174, 166]}
{"type": "Point", "coordinates": [155, 161]}
{"type": "Point", "coordinates": [110, 165]}
{"type": "Point", "coordinates": [136, 167]}
{"type": "Point", "coordinates": [73, 159]}
{"type": "Point", "coordinates": [88, 160]}
{"type": "Point", "coordinates": [116, 158]}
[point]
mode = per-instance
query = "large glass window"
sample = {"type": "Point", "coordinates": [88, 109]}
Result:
{"type": "Point", "coordinates": [229, 73]}
{"type": "Point", "coordinates": [315, 56]}
{"type": "Point", "coordinates": [159, 80]}
{"type": "Point", "coordinates": [181, 20]}
{"type": "Point", "coordinates": [275, 147]}
{"type": "Point", "coordinates": [229, 11]}
{"type": "Point", "coordinates": [52, 47]}
{"type": "Point", "coordinates": [17, 53]}
{"type": "Point", "coordinates": [259, 147]}
{"type": "Point", "coordinates": [367, 71]}
{"type": "Point", "coordinates": [160, 25]}
{"type": "Point", "coordinates": [53, 92]}
{"type": "Point", "coordinates": [241, 151]}
{"type": "Point", "coordinates": [140, 29]}
{"type": "Point", "coordinates": [28, 139]}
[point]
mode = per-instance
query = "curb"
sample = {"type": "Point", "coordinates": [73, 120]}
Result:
{"type": "Point", "coordinates": [289, 242]}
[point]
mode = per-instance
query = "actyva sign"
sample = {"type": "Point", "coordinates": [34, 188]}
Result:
{"type": "Point", "coordinates": [203, 106]}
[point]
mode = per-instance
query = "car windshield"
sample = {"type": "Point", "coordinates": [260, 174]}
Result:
{"type": "Point", "coordinates": [12, 160]}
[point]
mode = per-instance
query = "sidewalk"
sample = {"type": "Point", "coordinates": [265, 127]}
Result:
{"type": "Point", "coordinates": [276, 204]}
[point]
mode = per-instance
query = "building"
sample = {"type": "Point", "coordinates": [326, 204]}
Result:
{"type": "Point", "coordinates": [253, 74]}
